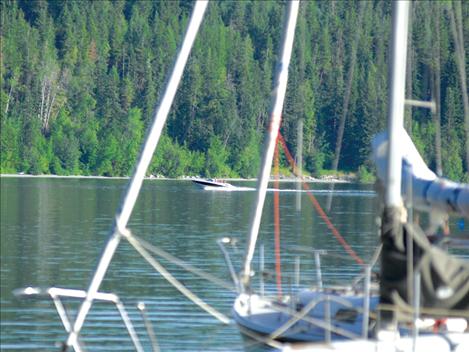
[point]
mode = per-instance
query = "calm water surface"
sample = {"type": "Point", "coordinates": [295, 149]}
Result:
{"type": "Point", "coordinates": [52, 231]}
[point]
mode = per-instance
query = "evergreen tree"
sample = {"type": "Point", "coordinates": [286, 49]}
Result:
{"type": "Point", "coordinates": [80, 81]}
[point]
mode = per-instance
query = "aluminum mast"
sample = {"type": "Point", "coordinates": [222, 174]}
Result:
{"type": "Point", "coordinates": [271, 138]}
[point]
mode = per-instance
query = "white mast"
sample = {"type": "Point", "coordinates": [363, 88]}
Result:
{"type": "Point", "coordinates": [271, 139]}
{"type": "Point", "coordinates": [393, 200]}
{"type": "Point", "coordinates": [396, 102]}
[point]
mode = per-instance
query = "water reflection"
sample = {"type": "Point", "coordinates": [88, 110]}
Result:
{"type": "Point", "coordinates": [52, 231]}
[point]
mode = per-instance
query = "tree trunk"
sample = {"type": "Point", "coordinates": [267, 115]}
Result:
{"type": "Point", "coordinates": [8, 100]}
{"type": "Point", "coordinates": [436, 85]}
{"type": "Point", "coordinates": [50, 87]}
{"type": "Point", "coordinates": [460, 60]}
{"type": "Point", "coordinates": [353, 59]}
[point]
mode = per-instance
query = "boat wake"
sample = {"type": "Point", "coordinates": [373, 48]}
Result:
{"type": "Point", "coordinates": [346, 193]}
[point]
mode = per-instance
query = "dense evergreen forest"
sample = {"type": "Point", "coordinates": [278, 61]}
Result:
{"type": "Point", "coordinates": [80, 80]}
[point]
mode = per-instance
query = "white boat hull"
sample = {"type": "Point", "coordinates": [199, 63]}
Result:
{"type": "Point", "coordinates": [212, 184]}
{"type": "Point", "coordinates": [452, 342]}
{"type": "Point", "coordinates": [265, 317]}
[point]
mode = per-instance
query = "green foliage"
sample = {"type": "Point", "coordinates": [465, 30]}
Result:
{"type": "Point", "coordinates": [421, 134]}
{"type": "Point", "coordinates": [248, 160]}
{"type": "Point", "coordinates": [173, 160]}
{"type": "Point", "coordinates": [316, 162]}
{"type": "Point", "coordinates": [9, 144]}
{"type": "Point", "coordinates": [215, 163]}
{"type": "Point", "coordinates": [132, 138]}
{"type": "Point", "coordinates": [65, 146]}
{"type": "Point", "coordinates": [89, 147]}
{"type": "Point", "coordinates": [109, 157]}
{"type": "Point", "coordinates": [365, 176]}
{"type": "Point", "coordinates": [452, 160]}
{"type": "Point", "coordinates": [80, 81]}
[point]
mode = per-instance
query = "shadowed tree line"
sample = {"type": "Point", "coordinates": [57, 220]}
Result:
{"type": "Point", "coordinates": [80, 80]}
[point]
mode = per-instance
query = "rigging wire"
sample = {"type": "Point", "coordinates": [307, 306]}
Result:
{"type": "Point", "coordinates": [442, 312]}
{"type": "Point", "coordinates": [261, 338]}
{"type": "Point", "coordinates": [186, 266]}
{"type": "Point", "coordinates": [302, 315]}
{"type": "Point", "coordinates": [318, 207]}
{"type": "Point", "coordinates": [172, 280]}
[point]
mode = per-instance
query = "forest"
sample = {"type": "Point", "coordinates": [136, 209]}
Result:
{"type": "Point", "coordinates": [80, 81]}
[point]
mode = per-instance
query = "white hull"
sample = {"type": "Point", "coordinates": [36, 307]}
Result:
{"type": "Point", "coordinates": [452, 342]}
{"type": "Point", "coordinates": [212, 184]}
{"type": "Point", "coordinates": [266, 317]}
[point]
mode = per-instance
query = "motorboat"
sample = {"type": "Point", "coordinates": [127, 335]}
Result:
{"type": "Point", "coordinates": [211, 183]}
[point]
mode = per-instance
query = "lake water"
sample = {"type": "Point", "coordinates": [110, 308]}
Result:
{"type": "Point", "coordinates": [53, 230]}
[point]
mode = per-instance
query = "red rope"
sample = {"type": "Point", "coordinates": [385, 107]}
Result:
{"type": "Point", "coordinates": [278, 270]}
{"type": "Point", "coordinates": [318, 208]}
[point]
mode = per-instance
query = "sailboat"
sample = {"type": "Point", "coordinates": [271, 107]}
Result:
{"type": "Point", "coordinates": [430, 282]}
{"type": "Point", "coordinates": [311, 315]}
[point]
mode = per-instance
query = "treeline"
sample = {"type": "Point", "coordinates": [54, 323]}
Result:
{"type": "Point", "coordinates": [80, 80]}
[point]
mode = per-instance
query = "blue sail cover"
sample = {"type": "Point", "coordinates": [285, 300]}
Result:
{"type": "Point", "coordinates": [428, 191]}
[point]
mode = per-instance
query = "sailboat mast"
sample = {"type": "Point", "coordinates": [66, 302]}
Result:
{"type": "Point", "coordinates": [271, 138]}
{"type": "Point", "coordinates": [396, 102]}
{"type": "Point", "coordinates": [392, 215]}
